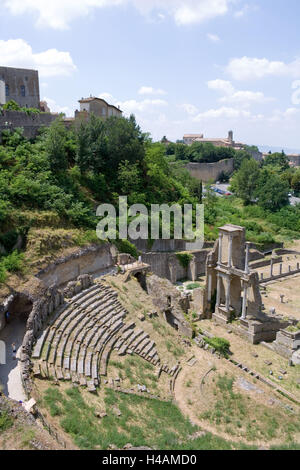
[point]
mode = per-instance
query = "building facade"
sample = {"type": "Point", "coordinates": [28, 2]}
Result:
{"type": "Point", "coordinates": [188, 139]}
{"type": "Point", "coordinates": [20, 85]}
{"type": "Point", "coordinates": [98, 107]}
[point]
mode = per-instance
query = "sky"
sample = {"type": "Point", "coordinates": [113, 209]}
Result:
{"type": "Point", "coordinates": [181, 66]}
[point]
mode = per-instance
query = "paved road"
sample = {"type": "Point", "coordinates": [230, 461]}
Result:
{"type": "Point", "coordinates": [294, 200]}
{"type": "Point", "coordinates": [10, 377]}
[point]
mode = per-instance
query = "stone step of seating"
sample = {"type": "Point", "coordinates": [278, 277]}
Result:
{"type": "Point", "coordinates": [53, 339]}
{"type": "Point", "coordinates": [82, 381]}
{"type": "Point", "coordinates": [91, 386]}
{"type": "Point", "coordinates": [139, 341]}
{"type": "Point", "coordinates": [59, 374]}
{"type": "Point", "coordinates": [51, 371]}
{"type": "Point", "coordinates": [106, 347]}
{"type": "Point", "coordinates": [152, 353]}
{"type": "Point", "coordinates": [39, 345]}
{"type": "Point", "coordinates": [88, 364]}
{"type": "Point", "coordinates": [75, 322]}
{"type": "Point", "coordinates": [67, 363]}
{"type": "Point", "coordinates": [67, 375]}
{"type": "Point", "coordinates": [42, 339]}
{"type": "Point", "coordinates": [148, 348]}
{"type": "Point", "coordinates": [97, 337]}
{"type": "Point", "coordinates": [143, 345]}
{"type": "Point", "coordinates": [75, 379]}
{"type": "Point", "coordinates": [85, 292]}
{"type": "Point", "coordinates": [36, 370]}
{"type": "Point", "coordinates": [132, 338]}
{"type": "Point", "coordinates": [80, 366]}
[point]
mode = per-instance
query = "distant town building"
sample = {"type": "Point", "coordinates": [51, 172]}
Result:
{"type": "Point", "coordinates": [97, 106]}
{"type": "Point", "coordinates": [188, 139]}
{"type": "Point", "coordinates": [294, 159]}
{"type": "Point", "coordinates": [20, 85]}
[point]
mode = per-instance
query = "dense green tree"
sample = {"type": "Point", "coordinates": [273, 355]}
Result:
{"type": "Point", "coordinates": [271, 191]}
{"type": "Point", "coordinates": [244, 182]}
{"type": "Point", "coordinates": [55, 146]}
{"type": "Point", "coordinates": [295, 183]}
{"type": "Point", "coordinates": [277, 160]}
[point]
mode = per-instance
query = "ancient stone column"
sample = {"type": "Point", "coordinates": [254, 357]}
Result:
{"type": "Point", "coordinates": [228, 294]}
{"type": "Point", "coordinates": [247, 258]}
{"type": "Point", "coordinates": [218, 291]}
{"type": "Point", "coordinates": [209, 282]}
{"type": "Point", "coordinates": [245, 298]}
{"type": "Point", "coordinates": [230, 252]}
{"type": "Point", "coordinates": [220, 248]}
{"type": "Point", "coordinates": [271, 270]}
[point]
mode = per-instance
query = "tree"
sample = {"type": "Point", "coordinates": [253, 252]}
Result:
{"type": "Point", "coordinates": [272, 191]}
{"type": "Point", "coordinates": [181, 152]}
{"type": "Point", "coordinates": [55, 146]}
{"type": "Point", "coordinates": [277, 159]}
{"type": "Point", "coordinates": [295, 184]}
{"type": "Point", "coordinates": [245, 180]}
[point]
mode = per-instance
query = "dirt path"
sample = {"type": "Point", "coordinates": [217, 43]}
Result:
{"type": "Point", "coordinates": [10, 377]}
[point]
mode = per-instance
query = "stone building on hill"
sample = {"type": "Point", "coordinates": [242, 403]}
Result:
{"type": "Point", "coordinates": [97, 106]}
{"type": "Point", "coordinates": [20, 85]}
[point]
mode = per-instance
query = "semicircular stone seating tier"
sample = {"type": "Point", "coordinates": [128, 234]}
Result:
{"type": "Point", "coordinates": [77, 343]}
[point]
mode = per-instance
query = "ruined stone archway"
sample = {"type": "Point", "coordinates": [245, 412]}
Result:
{"type": "Point", "coordinates": [141, 278]}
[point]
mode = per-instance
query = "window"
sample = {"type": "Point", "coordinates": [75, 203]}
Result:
{"type": "Point", "coordinates": [23, 93]}
{"type": "Point", "coordinates": [7, 90]}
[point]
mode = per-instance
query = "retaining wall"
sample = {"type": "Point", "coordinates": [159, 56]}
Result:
{"type": "Point", "coordinates": [31, 123]}
{"type": "Point", "coordinates": [210, 171]}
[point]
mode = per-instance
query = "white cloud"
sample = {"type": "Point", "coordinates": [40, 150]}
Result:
{"type": "Point", "coordinates": [108, 97]}
{"type": "Point", "coordinates": [223, 112]}
{"type": "Point", "coordinates": [287, 115]}
{"type": "Point", "coordinates": [221, 85]}
{"type": "Point", "coordinates": [148, 106]}
{"type": "Point", "coordinates": [189, 109]}
{"type": "Point", "coordinates": [56, 108]}
{"type": "Point", "coordinates": [58, 14]}
{"type": "Point", "coordinates": [148, 90]}
{"type": "Point", "coordinates": [246, 98]}
{"type": "Point", "coordinates": [233, 96]}
{"type": "Point", "coordinates": [50, 63]}
{"type": "Point", "coordinates": [132, 106]}
{"type": "Point", "coordinates": [247, 68]}
{"type": "Point", "coordinates": [213, 37]}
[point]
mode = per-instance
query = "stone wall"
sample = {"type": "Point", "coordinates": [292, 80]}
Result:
{"type": "Point", "coordinates": [210, 171]}
{"type": "Point", "coordinates": [91, 260]}
{"type": "Point", "coordinates": [286, 343]}
{"type": "Point", "coordinates": [164, 246]}
{"type": "Point", "coordinates": [167, 265]}
{"type": "Point", "coordinates": [31, 123]}
{"type": "Point", "coordinates": [169, 302]}
{"type": "Point", "coordinates": [22, 86]}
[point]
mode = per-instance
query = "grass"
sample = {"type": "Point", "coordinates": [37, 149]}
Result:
{"type": "Point", "coordinates": [234, 413]}
{"type": "Point", "coordinates": [143, 422]}
{"type": "Point", "coordinates": [6, 420]}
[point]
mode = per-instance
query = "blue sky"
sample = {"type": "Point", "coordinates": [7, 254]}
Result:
{"type": "Point", "coordinates": [181, 66]}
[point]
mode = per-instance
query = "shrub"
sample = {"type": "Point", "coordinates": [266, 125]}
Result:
{"type": "Point", "coordinates": [6, 421]}
{"type": "Point", "coordinates": [13, 262]}
{"type": "Point", "coordinates": [220, 344]}
{"type": "Point", "coordinates": [124, 246]}
{"type": "Point", "coordinates": [184, 259]}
